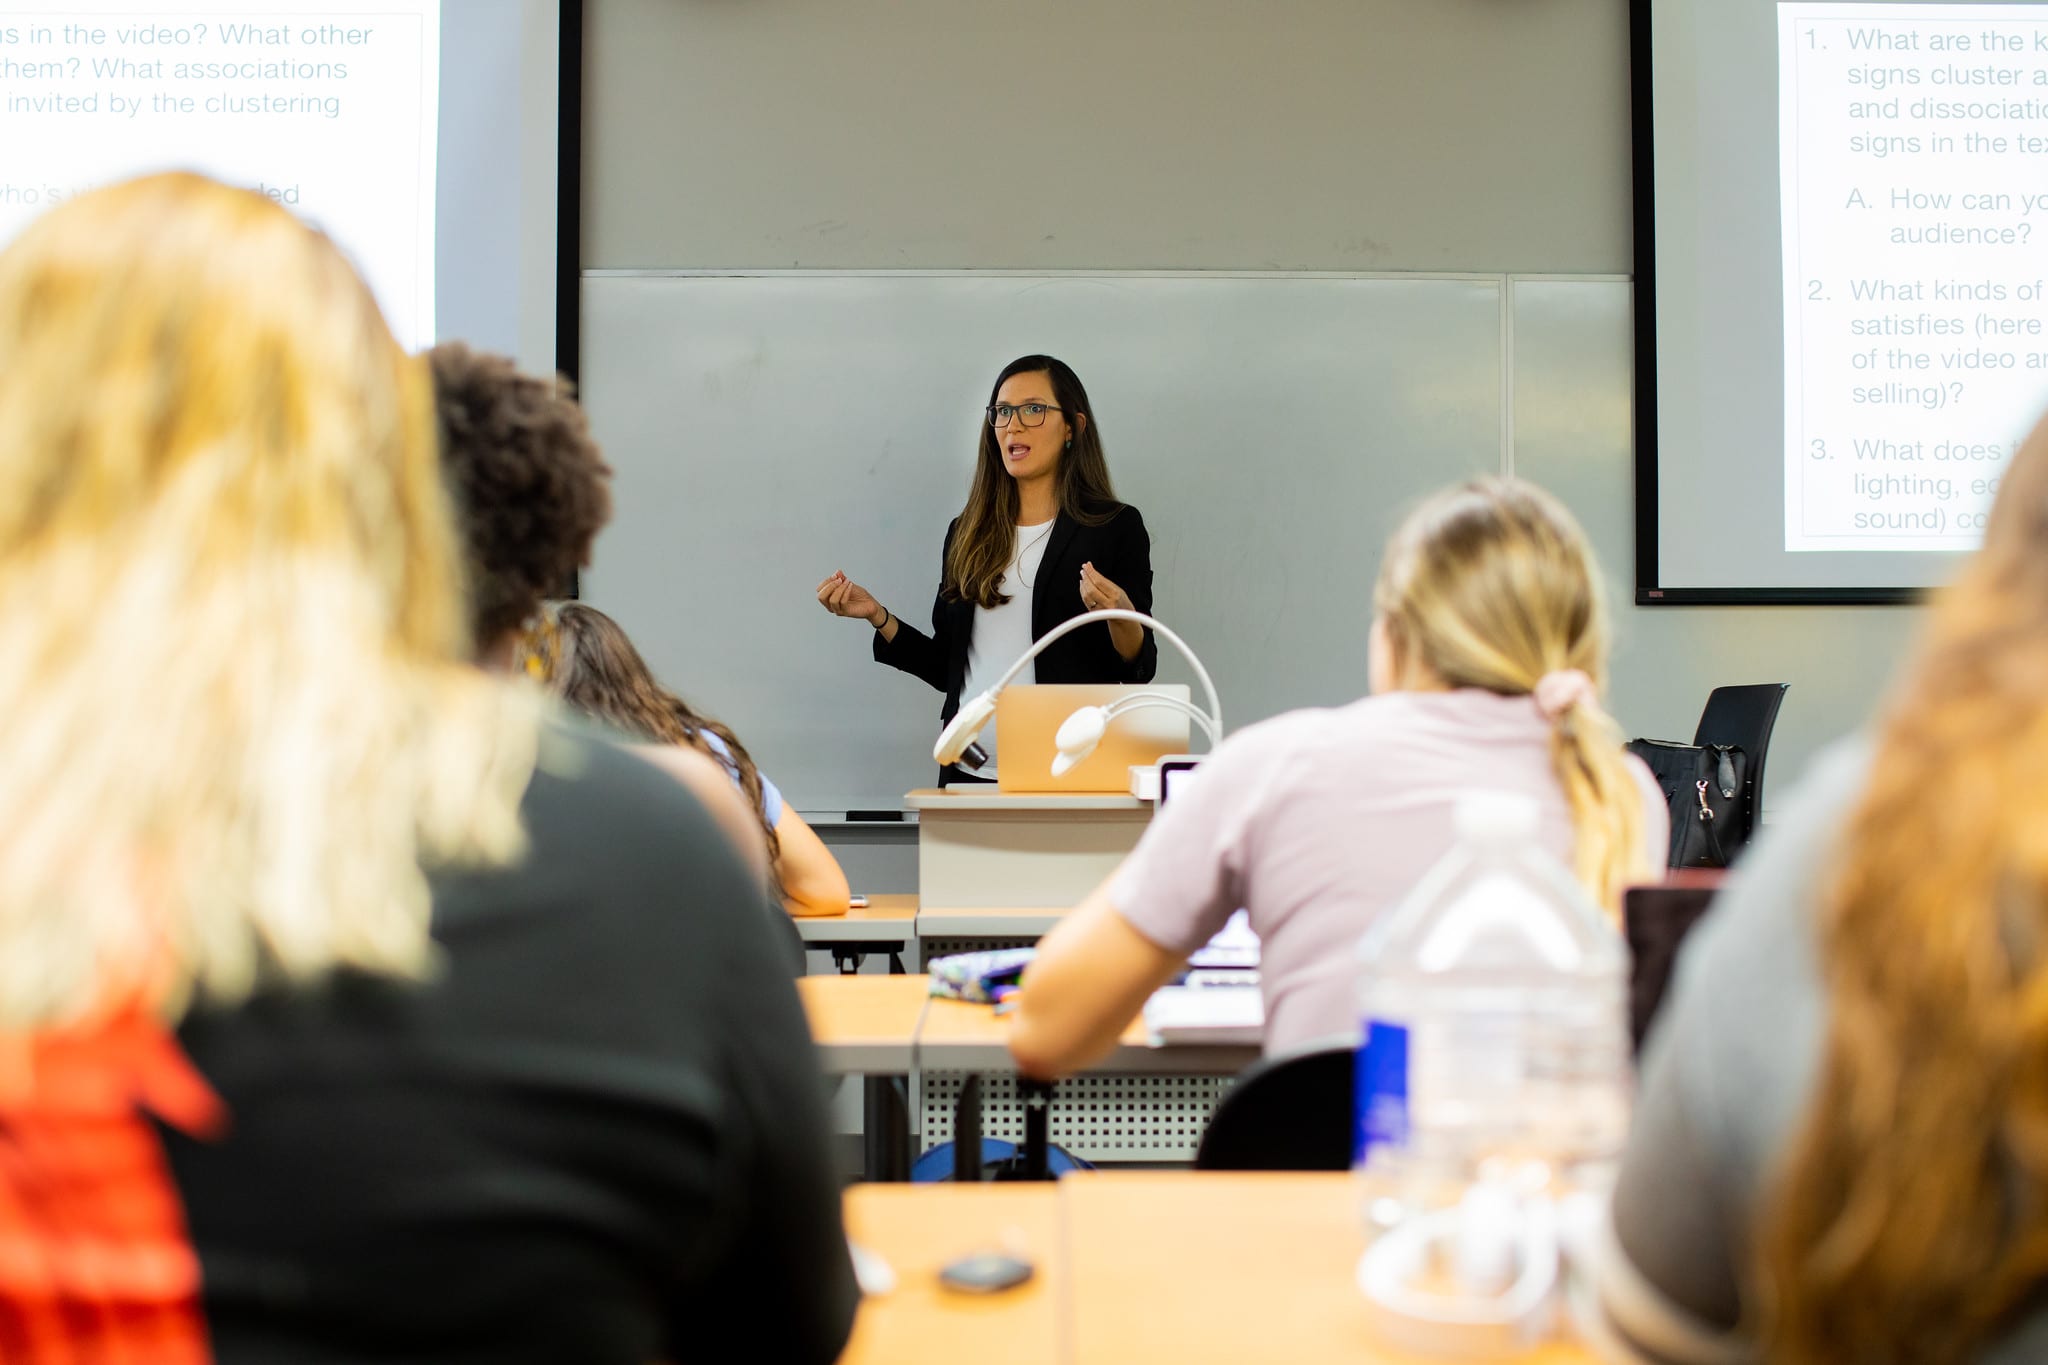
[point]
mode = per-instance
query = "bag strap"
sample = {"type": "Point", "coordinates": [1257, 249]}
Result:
{"type": "Point", "coordinates": [1706, 819]}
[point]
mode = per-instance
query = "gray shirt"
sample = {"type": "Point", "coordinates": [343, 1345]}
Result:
{"type": "Point", "coordinates": [1727, 1075]}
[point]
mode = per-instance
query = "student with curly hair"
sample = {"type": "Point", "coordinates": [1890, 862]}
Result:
{"type": "Point", "coordinates": [531, 492]}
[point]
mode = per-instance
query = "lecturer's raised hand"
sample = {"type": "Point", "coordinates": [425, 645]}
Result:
{"type": "Point", "coordinates": [842, 596]}
{"type": "Point", "coordinates": [1098, 592]}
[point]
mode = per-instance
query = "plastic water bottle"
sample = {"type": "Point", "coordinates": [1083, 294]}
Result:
{"type": "Point", "coordinates": [1495, 1052]}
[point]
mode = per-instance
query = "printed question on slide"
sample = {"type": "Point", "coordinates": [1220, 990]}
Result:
{"type": "Point", "coordinates": [1913, 166]}
{"type": "Point", "coordinates": [329, 108]}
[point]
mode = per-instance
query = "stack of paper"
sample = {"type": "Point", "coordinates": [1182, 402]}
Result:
{"type": "Point", "coordinates": [1205, 1014]}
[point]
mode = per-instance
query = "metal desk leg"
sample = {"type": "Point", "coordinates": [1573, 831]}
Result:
{"type": "Point", "coordinates": [885, 1127]}
{"type": "Point", "coordinates": [967, 1131]}
{"type": "Point", "coordinates": [1037, 1097]}
{"type": "Point", "coordinates": [848, 957]}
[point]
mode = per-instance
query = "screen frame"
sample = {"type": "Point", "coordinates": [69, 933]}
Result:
{"type": "Point", "coordinates": [569, 193]}
{"type": "Point", "coordinates": [1650, 590]}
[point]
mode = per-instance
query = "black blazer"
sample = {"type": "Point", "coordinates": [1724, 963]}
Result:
{"type": "Point", "coordinates": [1120, 551]}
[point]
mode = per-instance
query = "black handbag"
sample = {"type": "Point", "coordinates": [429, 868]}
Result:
{"type": "Point", "coordinates": [1703, 785]}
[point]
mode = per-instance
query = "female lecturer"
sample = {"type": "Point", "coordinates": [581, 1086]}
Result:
{"type": "Point", "coordinates": [1041, 540]}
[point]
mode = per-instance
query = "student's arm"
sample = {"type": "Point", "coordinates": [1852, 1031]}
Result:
{"type": "Point", "coordinates": [1092, 975]}
{"type": "Point", "coordinates": [1176, 890]}
{"type": "Point", "coordinates": [813, 883]}
{"type": "Point", "coordinates": [709, 782]}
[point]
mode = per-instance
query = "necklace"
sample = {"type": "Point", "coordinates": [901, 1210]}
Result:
{"type": "Point", "coordinates": [1025, 548]}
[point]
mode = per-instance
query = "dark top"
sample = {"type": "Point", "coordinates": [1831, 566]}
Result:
{"type": "Point", "coordinates": [599, 1136]}
{"type": "Point", "coordinates": [1119, 549]}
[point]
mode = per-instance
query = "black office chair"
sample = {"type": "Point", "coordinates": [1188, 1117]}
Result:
{"type": "Point", "coordinates": [1284, 1114]}
{"type": "Point", "coordinates": [1744, 716]}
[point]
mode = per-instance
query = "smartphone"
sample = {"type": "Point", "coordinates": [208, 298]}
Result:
{"type": "Point", "coordinates": [988, 1272]}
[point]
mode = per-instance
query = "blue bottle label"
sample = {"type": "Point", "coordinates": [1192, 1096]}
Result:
{"type": "Point", "coordinates": [1380, 1093]}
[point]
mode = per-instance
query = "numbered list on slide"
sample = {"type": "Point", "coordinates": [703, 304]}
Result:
{"type": "Point", "coordinates": [328, 107]}
{"type": "Point", "coordinates": [1913, 160]}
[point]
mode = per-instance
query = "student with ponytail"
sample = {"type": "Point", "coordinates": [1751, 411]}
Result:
{"type": "Point", "coordinates": [1489, 651]}
{"type": "Point", "coordinates": [1841, 1151]}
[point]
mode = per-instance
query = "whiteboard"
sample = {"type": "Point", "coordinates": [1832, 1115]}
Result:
{"type": "Point", "coordinates": [765, 430]}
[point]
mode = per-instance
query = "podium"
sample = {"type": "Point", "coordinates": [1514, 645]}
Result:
{"type": "Point", "coordinates": [978, 848]}
{"type": "Point", "coordinates": [997, 870]}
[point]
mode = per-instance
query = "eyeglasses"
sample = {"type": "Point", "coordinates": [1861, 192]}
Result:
{"type": "Point", "coordinates": [1030, 414]}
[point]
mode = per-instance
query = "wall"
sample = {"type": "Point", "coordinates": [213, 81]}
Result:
{"type": "Point", "coordinates": [1108, 134]}
{"type": "Point", "coordinates": [1487, 135]}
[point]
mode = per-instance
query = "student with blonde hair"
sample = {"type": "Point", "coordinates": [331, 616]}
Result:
{"type": "Point", "coordinates": [1841, 1143]}
{"type": "Point", "coordinates": [346, 1011]}
{"type": "Point", "coordinates": [1489, 652]}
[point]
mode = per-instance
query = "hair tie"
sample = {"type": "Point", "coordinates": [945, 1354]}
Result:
{"type": "Point", "coordinates": [1558, 692]}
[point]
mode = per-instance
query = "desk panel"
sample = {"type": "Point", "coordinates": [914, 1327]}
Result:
{"type": "Point", "coordinates": [885, 919]}
{"type": "Point", "coordinates": [1223, 1267]}
{"type": "Point", "coordinates": [917, 1229]}
{"type": "Point", "coordinates": [864, 1025]}
{"type": "Point", "coordinates": [974, 922]}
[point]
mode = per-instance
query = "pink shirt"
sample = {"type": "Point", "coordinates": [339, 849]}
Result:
{"type": "Point", "coordinates": [1317, 822]}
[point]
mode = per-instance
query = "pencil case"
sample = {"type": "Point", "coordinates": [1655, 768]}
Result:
{"type": "Point", "coordinates": [978, 976]}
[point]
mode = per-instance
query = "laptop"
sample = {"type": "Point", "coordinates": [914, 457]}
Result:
{"type": "Point", "coordinates": [1028, 717]}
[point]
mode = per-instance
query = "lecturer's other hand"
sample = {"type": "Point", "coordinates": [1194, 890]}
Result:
{"type": "Point", "coordinates": [1098, 592]}
{"type": "Point", "coordinates": [842, 596]}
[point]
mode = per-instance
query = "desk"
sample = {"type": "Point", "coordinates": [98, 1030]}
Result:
{"type": "Point", "coordinates": [867, 1026]}
{"type": "Point", "coordinates": [886, 924]}
{"type": "Point", "coordinates": [957, 1036]}
{"type": "Point", "coordinates": [885, 1028]}
{"type": "Point", "coordinates": [1219, 1266]}
{"type": "Point", "coordinates": [973, 1039]}
{"type": "Point", "coordinates": [919, 1228]}
{"type": "Point", "coordinates": [1167, 1267]}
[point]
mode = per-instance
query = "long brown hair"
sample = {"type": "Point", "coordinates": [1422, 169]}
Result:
{"type": "Point", "coordinates": [1492, 585]}
{"type": "Point", "coordinates": [587, 660]}
{"type": "Point", "coordinates": [987, 534]}
{"type": "Point", "coordinates": [1909, 1221]}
